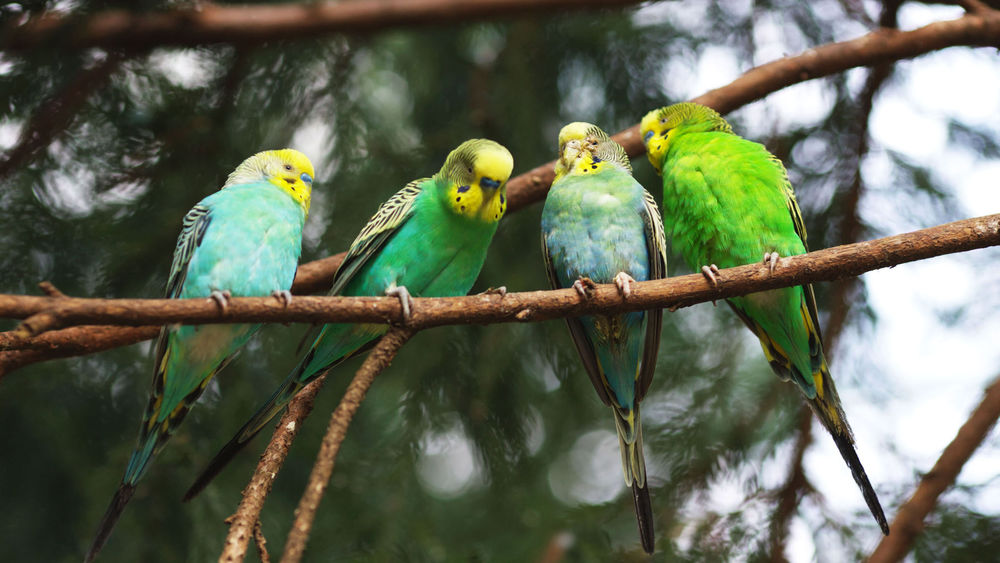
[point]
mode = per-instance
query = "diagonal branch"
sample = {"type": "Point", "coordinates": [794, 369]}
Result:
{"type": "Point", "coordinates": [42, 314]}
{"type": "Point", "coordinates": [379, 359]}
{"type": "Point", "coordinates": [909, 521]}
{"type": "Point", "coordinates": [529, 187]}
{"type": "Point", "coordinates": [206, 23]}
{"type": "Point", "coordinates": [242, 524]}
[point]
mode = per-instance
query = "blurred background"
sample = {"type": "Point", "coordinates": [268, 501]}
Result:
{"type": "Point", "coordinates": [489, 443]}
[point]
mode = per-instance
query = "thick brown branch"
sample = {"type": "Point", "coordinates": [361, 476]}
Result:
{"type": "Point", "coordinates": [206, 23]}
{"type": "Point", "coordinates": [242, 523]}
{"type": "Point", "coordinates": [75, 341]}
{"type": "Point", "coordinates": [379, 359]}
{"type": "Point", "coordinates": [909, 521]}
{"type": "Point", "coordinates": [46, 313]}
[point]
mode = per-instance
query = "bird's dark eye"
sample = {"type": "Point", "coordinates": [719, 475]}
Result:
{"type": "Point", "coordinates": [469, 169]}
{"type": "Point", "coordinates": [288, 167]}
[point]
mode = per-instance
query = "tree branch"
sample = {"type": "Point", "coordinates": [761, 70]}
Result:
{"type": "Point", "coordinates": [42, 314]}
{"type": "Point", "coordinates": [379, 359]}
{"type": "Point", "coordinates": [909, 521]}
{"type": "Point", "coordinates": [242, 524]}
{"type": "Point", "coordinates": [878, 46]}
{"type": "Point", "coordinates": [206, 23]}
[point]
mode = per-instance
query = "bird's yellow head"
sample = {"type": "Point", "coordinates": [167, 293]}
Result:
{"type": "Point", "coordinates": [660, 126]}
{"type": "Point", "coordinates": [287, 169]}
{"type": "Point", "coordinates": [585, 148]}
{"type": "Point", "coordinates": [474, 178]}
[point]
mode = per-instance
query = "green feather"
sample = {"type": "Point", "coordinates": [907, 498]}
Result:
{"type": "Point", "coordinates": [727, 201]}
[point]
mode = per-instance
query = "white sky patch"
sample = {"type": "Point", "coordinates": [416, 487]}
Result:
{"type": "Point", "coordinates": [582, 92]}
{"type": "Point", "coordinates": [68, 191]}
{"type": "Point", "coordinates": [685, 15]}
{"type": "Point", "coordinates": [447, 466]}
{"type": "Point", "coordinates": [939, 83]}
{"type": "Point", "coordinates": [536, 431]}
{"type": "Point", "coordinates": [10, 133]}
{"type": "Point", "coordinates": [316, 139]}
{"type": "Point", "coordinates": [591, 472]}
{"type": "Point", "coordinates": [188, 68]}
{"type": "Point", "coordinates": [717, 66]}
{"type": "Point", "coordinates": [768, 36]}
{"type": "Point", "coordinates": [912, 15]}
{"type": "Point", "coordinates": [898, 126]}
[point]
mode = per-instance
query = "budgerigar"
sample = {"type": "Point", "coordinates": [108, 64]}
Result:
{"type": "Point", "coordinates": [242, 241]}
{"type": "Point", "coordinates": [429, 239]}
{"type": "Point", "coordinates": [727, 202]}
{"type": "Point", "coordinates": [599, 223]}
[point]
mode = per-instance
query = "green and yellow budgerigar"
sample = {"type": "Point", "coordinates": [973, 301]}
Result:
{"type": "Point", "coordinates": [428, 240]}
{"type": "Point", "coordinates": [242, 241]}
{"type": "Point", "coordinates": [728, 202]}
{"type": "Point", "coordinates": [600, 224]}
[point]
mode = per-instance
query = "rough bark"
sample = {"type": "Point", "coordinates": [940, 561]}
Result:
{"type": "Point", "coordinates": [43, 314]}
{"type": "Point", "coordinates": [242, 524]}
{"type": "Point", "coordinates": [379, 359]}
{"type": "Point", "coordinates": [206, 23]}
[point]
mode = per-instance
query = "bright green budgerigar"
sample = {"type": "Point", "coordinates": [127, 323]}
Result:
{"type": "Point", "coordinates": [242, 241]}
{"type": "Point", "coordinates": [728, 202]}
{"type": "Point", "coordinates": [600, 224]}
{"type": "Point", "coordinates": [428, 240]}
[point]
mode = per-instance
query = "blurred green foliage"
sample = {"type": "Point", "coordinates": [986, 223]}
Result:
{"type": "Point", "coordinates": [478, 444]}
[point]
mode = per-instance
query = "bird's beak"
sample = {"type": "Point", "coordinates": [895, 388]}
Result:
{"type": "Point", "coordinates": [489, 183]}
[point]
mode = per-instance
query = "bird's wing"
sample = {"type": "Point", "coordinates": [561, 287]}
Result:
{"type": "Point", "coordinates": [583, 344]}
{"type": "Point", "coordinates": [376, 233]}
{"type": "Point", "coordinates": [656, 247]}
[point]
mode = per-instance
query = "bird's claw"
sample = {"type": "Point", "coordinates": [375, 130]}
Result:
{"type": "Point", "coordinates": [623, 281]}
{"type": "Point", "coordinates": [771, 259]}
{"type": "Point", "coordinates": [501, 291]}
{"type": "Point", "coordinates": [283, 296]}
{"type": "Point", "coordinates": [405, 299]}
{"type": "Point", "coordinates": [583, 285]}
{"type": "Point", "coordinates": [711, 273]}
{"type": "Point", "coordinates": [221, 299]}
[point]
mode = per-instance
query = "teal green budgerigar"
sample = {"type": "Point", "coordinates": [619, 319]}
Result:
{"type": "Point", "coordinates": [242, 241]}
{"type": "Point", "coordinates": [429, 240]}
{"type": "Point", "coordinates": [600, 224]}
{"type": "Point", "coordinates": [727, 202]}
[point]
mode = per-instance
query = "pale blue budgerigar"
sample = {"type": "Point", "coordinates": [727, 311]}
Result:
{"type": "Point", "coordinates": [242, 241]}
{"type": "Point", "coordinates": [600, 224]}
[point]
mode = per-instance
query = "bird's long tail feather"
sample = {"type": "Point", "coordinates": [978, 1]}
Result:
{"type": "Point", "coordinates": [111, 515]}
{"type": "Point", "coordinates": [634, 466]}
{"type": "Point", "coordinates": [257, 422]}
{"type": "Point", "coordinates": [828, 409]}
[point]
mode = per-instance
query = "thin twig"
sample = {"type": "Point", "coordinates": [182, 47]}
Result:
{"type": "Point", "coordinates": [379, 359]}
{"type": "Point", "coordinates": [909, 521]}
{"type": "Point", "coordinates": [261, 541]}
{"type": "Point", "coordinates": [241, 524]}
